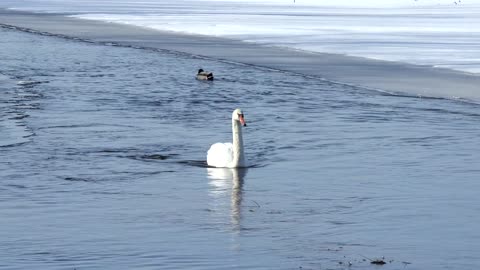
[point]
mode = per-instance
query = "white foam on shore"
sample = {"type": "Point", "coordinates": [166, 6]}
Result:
{"type": "Point", "coordinates": [438, 33]}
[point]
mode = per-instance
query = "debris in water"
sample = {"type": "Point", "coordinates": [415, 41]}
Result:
{"type": "Point", "coordinates": [378, 262]}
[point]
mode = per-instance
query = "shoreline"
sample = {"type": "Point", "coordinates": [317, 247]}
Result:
{"type": "Point", "coordinates": [386, 76]}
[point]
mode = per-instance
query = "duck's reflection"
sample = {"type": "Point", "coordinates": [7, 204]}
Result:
{"type": "Point", "coordinates": [225, 180]}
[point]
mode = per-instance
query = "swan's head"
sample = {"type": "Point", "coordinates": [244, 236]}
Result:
{"type": "Point", "coordinates": [237, 115]}
{"type": "Point", "coordinates": [200, 71]}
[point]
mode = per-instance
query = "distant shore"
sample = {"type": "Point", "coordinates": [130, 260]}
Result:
{"type": "Point", "coordinates": [373, 74]}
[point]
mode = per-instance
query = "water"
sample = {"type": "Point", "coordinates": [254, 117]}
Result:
{"type": "Point", "coordinates": [102, 167]}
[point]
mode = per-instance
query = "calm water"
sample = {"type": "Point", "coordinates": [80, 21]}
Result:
{"type": "Point", "coordinates": [102, 167]}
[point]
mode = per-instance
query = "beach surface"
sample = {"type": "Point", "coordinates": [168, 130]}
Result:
{"type": "Point", "coordinates": [392, 77]}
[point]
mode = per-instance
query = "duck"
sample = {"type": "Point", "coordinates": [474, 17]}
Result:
{"type": "Point", "coordinates": [204, 75]}
{"type": "Point", "coordinates": [230, 155]}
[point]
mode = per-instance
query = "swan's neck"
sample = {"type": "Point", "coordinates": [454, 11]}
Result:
{"type": "Point", "coordinates": [238, 155]}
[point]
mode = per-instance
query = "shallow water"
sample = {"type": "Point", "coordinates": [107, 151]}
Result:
{"type": "Point", "coordinates": [102, 167]}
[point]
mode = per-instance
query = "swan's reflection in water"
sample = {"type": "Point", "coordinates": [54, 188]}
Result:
{"type": "Point", "coordinates": [224, 181]}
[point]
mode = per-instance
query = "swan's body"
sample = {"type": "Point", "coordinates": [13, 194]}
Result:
{"type": "Point", "coordinates": [204, 75]}
{"type": "Point", "coordinates": [229, 155]}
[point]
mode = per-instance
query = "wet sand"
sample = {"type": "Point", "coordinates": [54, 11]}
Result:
{"type": "Point", "coordinates": [374, 74]}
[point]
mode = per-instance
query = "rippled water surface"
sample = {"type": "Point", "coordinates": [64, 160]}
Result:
{"type": "Point", "coordinates": [102, 153]}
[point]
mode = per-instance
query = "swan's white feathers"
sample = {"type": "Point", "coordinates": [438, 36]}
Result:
{"type": "Point", "coordinates": [229, 155]}
{"type": "Point", "coordinates": [220, 155]}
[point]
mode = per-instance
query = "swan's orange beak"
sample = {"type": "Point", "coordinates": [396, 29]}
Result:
{"type": "Point", "coordinates": [242, 120]}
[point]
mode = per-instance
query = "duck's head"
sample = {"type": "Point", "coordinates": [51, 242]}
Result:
{"type": "Point", "coordinates": [200, 71]}
{"type": "Point", "coordinates": [237, 115]}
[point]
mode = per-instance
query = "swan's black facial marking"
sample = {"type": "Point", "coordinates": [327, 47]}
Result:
{"type": "Point", "coordinates": [241, 119]}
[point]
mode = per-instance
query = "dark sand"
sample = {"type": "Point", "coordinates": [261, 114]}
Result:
{"type": "Point", "coordinates": [380, 75]}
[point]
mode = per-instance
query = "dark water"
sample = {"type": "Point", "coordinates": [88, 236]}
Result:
{"type": "Point", "coordinates": [102, 167]}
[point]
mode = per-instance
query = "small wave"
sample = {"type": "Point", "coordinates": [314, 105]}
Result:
{"type": "Point", "coordinates": [79, 179]}
{"type": "Point", "coordinates": [195, 163]}
{"type": "Point", "coordinates": [30, 83]}
{"type": "Point", "coordinates": [14, 132]}
{"type": "Point", "coordinates": [203, 164]}
{"type": "Point", "coordinates": [16, 186]}
{"type": "Point", "coordinates": [426, 140]}
{"type": "Point", "coordinates": [84, 126]}
{"type": "Point", "coordinates": [116, 150]}
{"type": "Point", "coordinates": [14, 144]}
{"type": "Point", "coordinates": [449, 111]}
{"type": "Point", "coordinates": [152, 157]}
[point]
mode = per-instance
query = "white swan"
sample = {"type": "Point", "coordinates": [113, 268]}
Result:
{"type": "Point", "coordinates": [228, 155]}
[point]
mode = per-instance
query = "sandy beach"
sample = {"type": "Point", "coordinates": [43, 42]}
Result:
{"type": "Point", "coordinates": [373, 74]}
